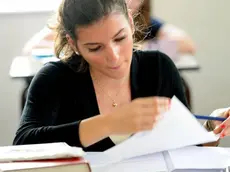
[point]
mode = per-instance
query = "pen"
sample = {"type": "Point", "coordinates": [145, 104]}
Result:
{"type": "Point", "coordinates": [202, 117]}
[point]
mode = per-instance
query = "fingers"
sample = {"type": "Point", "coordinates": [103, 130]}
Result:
{"type": "Point", "coordinates": [227, 113]}
{"type": "Point", "coordinates": [225, 124]}
{"type": "Point", "coordinates": [159, 104]}
{"type": "Point", "coordinates": [225, 132]}
{"type": "Point", "coordinates": [148, 123]}
{"type": "Point", "coordinates": [217, 130]}
{"type": "Point", "coordinates": [223, 128]}
{"type": "Point", "coordinates": [148, 111]}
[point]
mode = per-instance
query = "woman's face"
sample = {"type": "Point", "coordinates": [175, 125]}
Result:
{"type": "Point", "coordinates": [107, 45]}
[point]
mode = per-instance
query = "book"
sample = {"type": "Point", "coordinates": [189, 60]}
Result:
{"type": "Point", "coordinates": [187, 159]}
{"type": "Point", "coordinates": [39, 151]}
{"type": "Point", "coordinates": [169, 146]}
{"type": "Point", "coordinates": [47, 157]}
{"type": "Point", "coordinates": [55, 165]}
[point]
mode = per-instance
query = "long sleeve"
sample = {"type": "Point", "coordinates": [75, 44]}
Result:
{"type": "Point", "coordinates": [38, 121]}
{"type": "Point", "coordinates": [175, 80]}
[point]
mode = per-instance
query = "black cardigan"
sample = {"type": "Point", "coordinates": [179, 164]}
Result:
{"type": "Point", "coordinates": [59, 98]}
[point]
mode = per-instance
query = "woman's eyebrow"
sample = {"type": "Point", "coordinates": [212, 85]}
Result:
{"type": "Point", "coordinates": [96, 43]}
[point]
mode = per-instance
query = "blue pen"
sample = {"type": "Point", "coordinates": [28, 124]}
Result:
{"type": "Point", "coordinates": [210, 118]}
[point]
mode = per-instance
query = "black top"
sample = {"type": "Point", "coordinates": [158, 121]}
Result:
{"type": "Point", "coordinates": [59, 98]}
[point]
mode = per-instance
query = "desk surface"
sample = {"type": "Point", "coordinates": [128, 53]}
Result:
{"type": "Point", "coordinates": [27, 66]}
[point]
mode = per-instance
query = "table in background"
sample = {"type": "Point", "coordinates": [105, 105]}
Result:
{"type": "Point", "coordinates": [25, 67]}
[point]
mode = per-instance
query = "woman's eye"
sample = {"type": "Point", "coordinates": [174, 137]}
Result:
{"type": "Point", "coordinates": [94, 49]}
{"type": "Point", "coordinates": [120, 39]}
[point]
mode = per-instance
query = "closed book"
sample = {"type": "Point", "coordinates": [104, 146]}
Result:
{"type": "Point", "coordinates": [51, 165]}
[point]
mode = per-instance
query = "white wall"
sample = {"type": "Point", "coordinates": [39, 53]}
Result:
{"type": "Point", "coordinates": [15, 30]}
{"type": "Point", "coordinates": [208, 23]}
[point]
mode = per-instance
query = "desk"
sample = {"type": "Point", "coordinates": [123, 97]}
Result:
{"type": "Point", "coordinates": [25, 67]}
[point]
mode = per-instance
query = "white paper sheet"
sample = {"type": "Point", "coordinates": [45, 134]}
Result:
{"type": "Point", "coordinates": [146, 163]}
{"type": "Point", "coordinates": [178, 128]}
{"type": "Point", "coordinates": [200, 158]}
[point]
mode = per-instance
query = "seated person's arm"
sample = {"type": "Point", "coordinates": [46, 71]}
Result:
{"type": "Point", "coordinates": [168, 31]}
{"type": "Point", "coordinates": [42, 39]}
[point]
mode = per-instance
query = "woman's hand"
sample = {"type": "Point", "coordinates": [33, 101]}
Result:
{"type": "Point", "coordinates": [139, 115]}
{"type": "Point", "coordinates": [223, 128]}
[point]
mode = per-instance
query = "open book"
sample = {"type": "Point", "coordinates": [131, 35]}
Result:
{"type": "Point", "coordinates": [187, 159]}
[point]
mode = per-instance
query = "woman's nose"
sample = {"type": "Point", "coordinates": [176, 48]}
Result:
{"type": "Point", "coordinates": [113, 55]}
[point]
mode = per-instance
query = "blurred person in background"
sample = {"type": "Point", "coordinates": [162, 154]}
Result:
{"type": "Point", "coordinates": [157, 29]}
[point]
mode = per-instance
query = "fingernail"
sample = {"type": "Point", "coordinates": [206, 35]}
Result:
{"type": "Point", "coordinates": [222, 135]}
{"type": "Point", "coordinates": [222, 126]}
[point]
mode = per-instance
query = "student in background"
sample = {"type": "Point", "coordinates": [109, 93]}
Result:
{"type": "Point", "coordinates": [156, 29]}
{"type": "Point", "coordinates": [102, 90]}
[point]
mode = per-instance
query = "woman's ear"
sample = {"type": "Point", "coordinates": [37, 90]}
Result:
{"type": "Point", "coordinates": [71, 43]}
{"type": "Point", "coordinates": [131, 21]}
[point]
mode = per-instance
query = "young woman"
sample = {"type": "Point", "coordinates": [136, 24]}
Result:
{"type": "Point", "coordinates": [102, 90]}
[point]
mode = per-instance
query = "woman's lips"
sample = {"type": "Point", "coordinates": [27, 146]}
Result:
{"type": "Point", "coordinates": [115, 67]}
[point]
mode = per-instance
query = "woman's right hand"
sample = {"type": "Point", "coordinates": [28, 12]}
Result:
{"type": "Point", "coordinates": [139, 115]}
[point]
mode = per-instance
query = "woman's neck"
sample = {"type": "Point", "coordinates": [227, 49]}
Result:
{"type": "Point", "coordinates": [107, 82]}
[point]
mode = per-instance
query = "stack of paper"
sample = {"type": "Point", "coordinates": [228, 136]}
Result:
{"type": "Point", "coordinates": [198, 158]}
{"type": "Point", "coordinates": [39, 151]}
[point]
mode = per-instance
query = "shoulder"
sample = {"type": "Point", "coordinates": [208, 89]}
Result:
{"type": "Point", "coordinates": [62, 69]}
{"type": "Point", "coordinates": [54, 76]}
{"type": "Point", "coordinates": [52, 71]}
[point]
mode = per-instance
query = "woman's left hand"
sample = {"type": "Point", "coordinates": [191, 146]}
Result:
{"type": "Point", "coordinates": [223, 128]}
